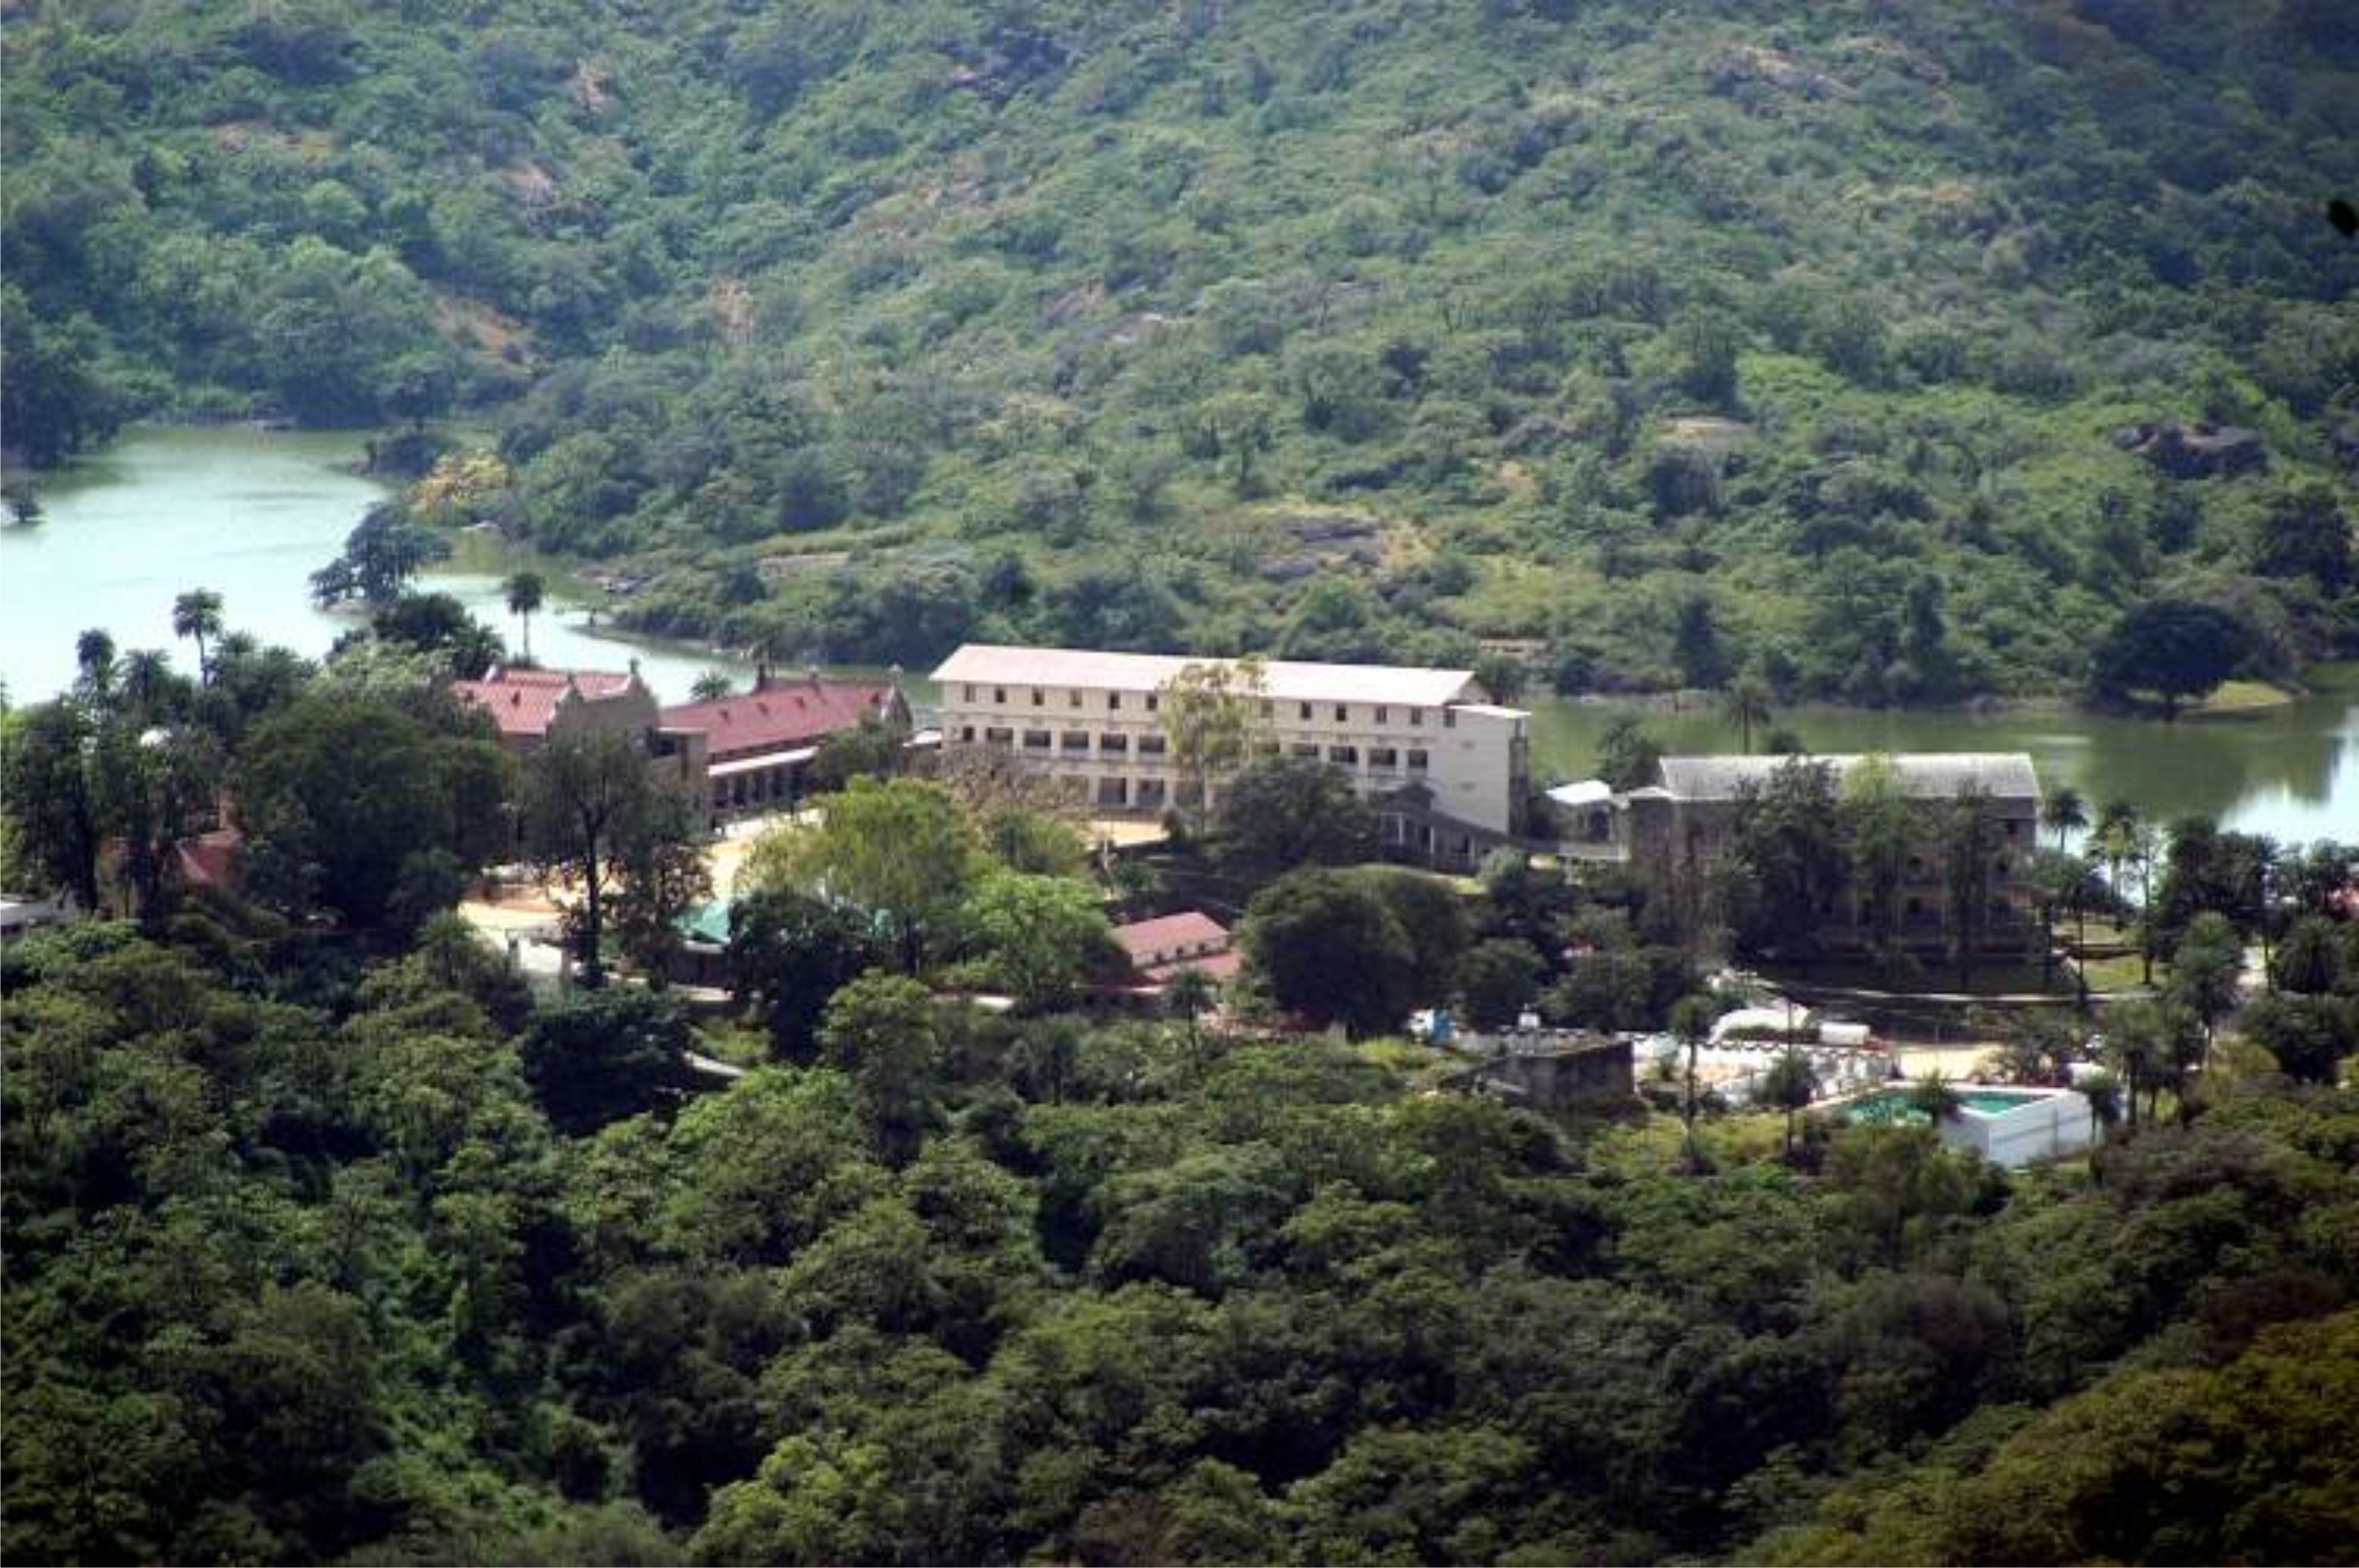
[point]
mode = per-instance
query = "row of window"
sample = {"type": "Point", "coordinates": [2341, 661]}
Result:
{"type": "Point", "coordinates": [1076, 743]}
{"type": "Point", "coordinates": [1304, 710]}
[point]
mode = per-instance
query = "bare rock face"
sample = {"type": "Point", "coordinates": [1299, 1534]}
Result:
{"type": "Point", "coordinates": [2197, 451]}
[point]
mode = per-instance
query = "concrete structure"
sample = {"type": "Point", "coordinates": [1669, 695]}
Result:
{"type": "Point", "coordinates": [1552, 1068]}
{"type": "Point", "coordinates": [21, 915]}
{"type": "Point", "coordinates": [1161, 947]}
{"type": "Point", "coordinates": [1675, 831]}
{"type": "Point", "coordinates": [2008, 1126]}
{"type": "Point", "coordinates": [757, 745]}
{"type": "Point", "coordinates": [1446, 770]}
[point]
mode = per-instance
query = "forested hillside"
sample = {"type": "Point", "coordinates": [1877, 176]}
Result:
{"type": "Point", "coordinates": [302, 1270]}
{"type": "Point", "coordinates": [1656, 342]}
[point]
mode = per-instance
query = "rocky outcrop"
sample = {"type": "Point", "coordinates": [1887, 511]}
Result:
{"type": "Point", "coordinates": [2198, 450]}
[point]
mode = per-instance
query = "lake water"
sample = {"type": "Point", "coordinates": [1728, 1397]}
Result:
{"type": "Point", "coordinates": [252, 515]}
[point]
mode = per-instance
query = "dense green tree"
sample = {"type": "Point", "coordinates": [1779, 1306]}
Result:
{"type": "Point", "coordinates": [1279, 812]}
{"type": "Point", "coordinates": [1497, 979]}
{"type": "Point", "coordinates": [2176, 648]}
{"type": "Point", "coordinates": [334, 797]}
{"type": "Point", "coordinates": [882, 1031]}
{"type": "Point", "coordinates": [596, 1056]}
{"type": "Point", "coordinates": [789, 952]}
{"type": "Point", "coordinates": [1330, 949]}
{"type": "Point", "coordinates": [900, 851]}
{"type": "Point", "coordinates": [617, 835]}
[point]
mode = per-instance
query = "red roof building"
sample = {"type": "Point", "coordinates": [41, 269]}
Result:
{"type": "Point", "coordinates": [528, 704]}
{"type": "Point", "coordinates": [1161, 947]}
{"type": "Point", "coordinates": [757, 744]}
{"type": "Point", "coordinates": [782, 713]}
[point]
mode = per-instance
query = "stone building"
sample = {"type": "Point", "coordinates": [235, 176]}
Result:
{"type": "Point", "coordinates": [1676, 830]}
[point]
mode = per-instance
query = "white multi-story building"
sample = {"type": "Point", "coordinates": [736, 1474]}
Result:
{"type": "Point", "coordinates": [1446, 769]}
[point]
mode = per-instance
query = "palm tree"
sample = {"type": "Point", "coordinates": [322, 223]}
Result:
{"type": "Point", "coordinates": [1790, 1083]}
{"type": "Point", "coordinates": [95, 656]}
{"type": "Point", "coordinates": [197, 613]}
{"type": "Point", "coordinates": [1188, 996]}
{"type": "Point", "coordinates": [1746, 704]}
{"type": "Point", "coordinates": [145, 673]}
{"type": "Point", "coordinates": [2065, 811]}
{"type": "Point", "coordinates": [1691, 1018]}
{"type": "Point", "coordinates": [525, 591]}
{"type": "Point", "coordinates": [712, 686]}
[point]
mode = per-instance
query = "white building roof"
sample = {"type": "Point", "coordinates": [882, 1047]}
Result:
{"type": "Point", "coordinates": [1587, 792]}
{"type": "Point", "coordinates": [985, 663]}
{"type": "Point", "coordinates": [1923, 776]}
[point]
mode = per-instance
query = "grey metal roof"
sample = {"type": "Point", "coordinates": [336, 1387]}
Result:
{"type": "Point", "coordinates": [1924, 775]}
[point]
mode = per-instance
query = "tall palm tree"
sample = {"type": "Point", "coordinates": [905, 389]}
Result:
{"type": "Point", "coordinates": [2064, 811]}
{"type": "Point", "coordinates": [1791, 1082]}
{"type": "Point", "coordinates": [197, 613]}
{"type": "Point", "coordinates": [145, 675]}
{"type": "Point", "coordinates": [1745, 704]}
{"type": "Point", "coordinates": [1691, 1018]}
{"type": "Point", "coordinates": [525, 592]}
{"type": "Point", "coordinates": [95, 656]}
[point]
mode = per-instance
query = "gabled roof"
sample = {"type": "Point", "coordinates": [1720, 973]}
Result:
{"type": "Point", "coordinates": [522, 702]}
{"type": "Point", "coordinates": [1924, 775]}
{"type": "Point", "coordinates": [1285, 680]}
{"type": "Point", "coordinates": [779, 713]}
{"type": "Point", "coordinates": [1189, 928]}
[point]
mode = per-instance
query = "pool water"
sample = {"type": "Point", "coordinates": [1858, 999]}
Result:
{"type": "Point", "coordinates": [1891, 1107]}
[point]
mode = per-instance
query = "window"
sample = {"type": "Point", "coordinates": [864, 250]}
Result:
{"type": "Point", "coordinates": [999, 736]}
{"type": "Point", "coordinates": [1114, 702]}
{"type": "Point", "coordinates": [1347, 755]}
{"type": "Point", "coordinates": [1384, 715]}
{"type": "Point", "coordinates": [1073, 740]}
{"type": "Point", "coordinates": [2010, 827]}
{"type": "Point", "coordinates": [1417, 716]}
{"type": "Point", "coordinates": [969, 693]}
{"type": "Point", "coordinates": [1115, 745]}
{"type": "Point", "coordinates": [1342, 713]}
{"type": "Point", "coordinates": [999, 694]}
{"type": "Point", "coordinates": [1382, 757]}
{"type": "Point", "coordinates": [1269, 708]}
{"type": "Point", "coordinates": [1416, 760]}
{"type": "Point", "coordinates": [1449, 718]}
{"type": "Point", "coordinates": [1073, 697]}
{"type": "Point", "coordinates": [1305, 710]}
{"type": "Point", "coordinates": [1036, 740]}
{"type": "Point", "coordinates": [966, 733]}
{"type": "Point", "coordinates": [1150, 792]}
{"type": "Point", "coordinates": [1266, 748]}
{"type": "Point", "coordinates": [1150, 745]}
{"type": "Point", "coordinates": [1038, 697]}
{"type": "Point", "coordinates": [1305, 749]}
{"type": "Point", "coordinates": [1154, 701]}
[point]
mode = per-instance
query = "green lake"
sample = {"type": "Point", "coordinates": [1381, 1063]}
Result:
{"type": "Point", "coordinates": [252, 514]}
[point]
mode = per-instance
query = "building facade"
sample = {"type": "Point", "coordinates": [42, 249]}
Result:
{"type": "Point", "coordinates": [1446, 770]}
{"type": "Point", "coordinates": [757, 745]}
{"type": "Point", "coordinates": [1676, 831]}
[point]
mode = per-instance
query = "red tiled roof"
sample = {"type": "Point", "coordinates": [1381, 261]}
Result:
{"type": "Point", "coordinates": [787, 711]}
{"type": "Point", "coordinates": [210, 859]}
{"type": "Point", "coordinates": [522, 702]}
{"type": "Point", "coordinates": [1219, 965]}
{"type": "Point", "coordinates": [1190, 929]}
